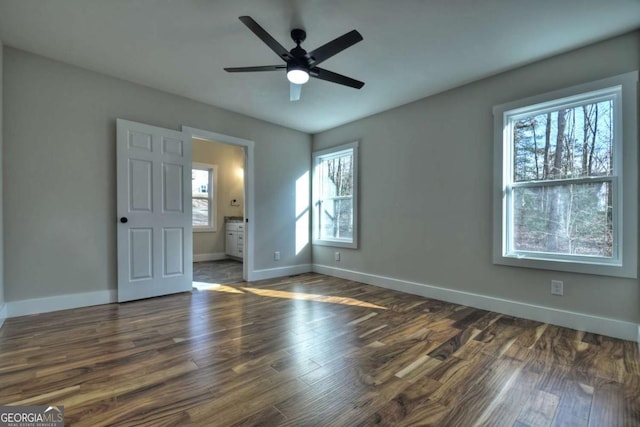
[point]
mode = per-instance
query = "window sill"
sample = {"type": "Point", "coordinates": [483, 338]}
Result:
{"type": "Point", "coordinates": [204, 230]}
{"type": "Point", "coordinates": [335, 243]}
{"type": "Point", "coordinates": [599, 269]}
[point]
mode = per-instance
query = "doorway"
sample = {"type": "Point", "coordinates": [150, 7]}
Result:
{"type": "Point", "coordinates": [222, 196]}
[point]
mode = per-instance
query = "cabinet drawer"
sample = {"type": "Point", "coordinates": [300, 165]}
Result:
{"type": "Point", "coordinates": [234, 226]}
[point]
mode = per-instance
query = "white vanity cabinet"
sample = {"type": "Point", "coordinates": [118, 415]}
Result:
{"type": "Point", "coordinates": [234, 243]}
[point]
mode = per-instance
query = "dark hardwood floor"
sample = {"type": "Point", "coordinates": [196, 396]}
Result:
{"type": "Point", "coordinates": [314, 350]}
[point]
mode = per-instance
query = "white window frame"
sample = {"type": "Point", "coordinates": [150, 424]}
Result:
{"type": "Point", "coordinates": [317, 158]}
{"type": "Point", "coordinates": [213, 194]}
{"type": "Point", "coordinates": [623, 263]}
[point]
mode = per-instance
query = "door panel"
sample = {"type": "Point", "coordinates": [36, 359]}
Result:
{"type": "Point", "coordinates": [154, 211]}
{"type": "Point", "coordinates": [140, 253]}
{"type": "Point", "coordinates": [172, 184]}
{"type": "Point", "coordinates": [172, 146]}
{"type": "Point", "coordinates": [173, 257]}
{"type": "Point", "coordinates": [140, 185]}
{"type": "Point", "coordinates": [140, 140]}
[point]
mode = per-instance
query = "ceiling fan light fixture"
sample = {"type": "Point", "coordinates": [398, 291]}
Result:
{"type": "Point", "coordinates": [297, 75]}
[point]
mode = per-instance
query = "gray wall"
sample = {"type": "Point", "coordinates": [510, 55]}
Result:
{"type": "Point", "coordinates": [2, 298]}
{"type": "Point", "coordinates": [227, 158]}
{"type": "Point", "coordinates": [60, 201]}
{"type": "Point", "coordinates": [426, 189]}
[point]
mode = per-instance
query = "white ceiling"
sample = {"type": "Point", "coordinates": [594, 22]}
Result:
{"type": "Point", "coordinates": [411, 48]}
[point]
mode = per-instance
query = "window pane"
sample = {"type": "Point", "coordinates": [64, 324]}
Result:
{"type": "Point", "coordinates": [337, 176]}
{"type": "Point", "coordinates": [336, 219]}
{"type": "Point", "coordinates": [571, 219]}
{"type": "Point", "coordinates": [200, 212]}
{"type": "Point", "coordinates": [567, 143]}
{"type": "Point", "coordinates": [199, 183]}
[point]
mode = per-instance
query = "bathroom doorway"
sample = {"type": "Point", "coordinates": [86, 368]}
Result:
{"type": "Point", "coordinates": [221, 249]}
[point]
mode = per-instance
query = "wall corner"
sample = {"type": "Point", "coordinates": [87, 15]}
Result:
{"type": "Point", "coordinates": [3, 306]}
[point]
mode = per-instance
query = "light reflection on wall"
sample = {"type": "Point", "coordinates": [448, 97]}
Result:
{"type": "Point", "coordinates": [302, 212]}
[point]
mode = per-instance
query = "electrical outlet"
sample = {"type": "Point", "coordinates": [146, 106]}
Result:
{"type": "Point", "coordinates": [337, 256]}
{"type": "Point", "coordinates": [276, 256]}
{"type": "Point", "coordinates": [557, 287]}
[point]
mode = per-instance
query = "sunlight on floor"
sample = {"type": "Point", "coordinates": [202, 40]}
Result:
{"type": "Point", "coordinates": [286, 294]}
{"type": "Point", "coordinates": [202, 286]}
{"type": "Point", "coordinates": [499, 398]}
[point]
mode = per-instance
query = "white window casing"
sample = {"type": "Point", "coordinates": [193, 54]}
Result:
{"type": "Point", "coordinates": [335, 216]}
{"type": "Point", "coordinates": [210, 197]}
{"type": "Point", "coordinates": [621, 181]}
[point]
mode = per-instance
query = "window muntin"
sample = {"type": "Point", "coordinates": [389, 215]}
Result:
{"type": "Point", "coordinates": [335, 190]}
{"type": "Point", "coordinates": [203, 197]}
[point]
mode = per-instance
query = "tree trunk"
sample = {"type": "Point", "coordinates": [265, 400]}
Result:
{"type": "Point", "coordinates": [610, 241]}
{"type": "Point", "coordinates": [556, 171]}
{"type": "Point", "coordinates": [594, 131]}
{"type": "Point", "coordinates": [555, 213]}
{"type": "Point", "coordinates": [585, 141]}
{"type": "Point", "coordinates": [535, 147]}
{"type": "Point", "coordinates": [547, 148]}
{"type": "Point", "coordinates": [544, 197]}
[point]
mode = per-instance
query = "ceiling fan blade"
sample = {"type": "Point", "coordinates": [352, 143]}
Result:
{"type": "Point", "coordinates": [260, 68]}
{"type": "Point", "coordinates": [327, 50]}
{"type": "Point", "coordinates": [266, 37]}
{"type": "Point", "coordinates": [330, 76]}
{"type": "Point", "coordinates": [294, 91]}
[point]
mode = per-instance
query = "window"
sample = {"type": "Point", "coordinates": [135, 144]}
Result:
{"type": "Point", "coordinates": [566, 193]}
{"type": "Point", "coordinates": [203, 191]}
{"type": "Point", "coordinates": [335, 189]}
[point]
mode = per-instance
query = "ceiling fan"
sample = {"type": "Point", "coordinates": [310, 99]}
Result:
{"type": "Point", "coordinates": [300, 64]}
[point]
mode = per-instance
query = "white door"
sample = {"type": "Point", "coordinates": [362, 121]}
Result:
{"type": "Point", "coordinates": [154, 211]}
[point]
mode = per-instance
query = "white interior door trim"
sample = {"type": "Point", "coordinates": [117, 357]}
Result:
{"type": "Point", "coordinates": [248, 145]}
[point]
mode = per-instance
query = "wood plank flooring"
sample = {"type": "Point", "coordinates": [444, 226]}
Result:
{"type": "Point", "coordinates": [313, 350]}
{"type": "Point", "coordinates": [220, 272]}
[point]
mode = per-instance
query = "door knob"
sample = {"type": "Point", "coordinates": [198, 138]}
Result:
{"type": "Point", "coordinates": [124, 220]}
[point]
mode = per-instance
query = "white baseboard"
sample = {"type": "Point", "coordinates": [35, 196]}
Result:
{"type": "Point", "coordinates": [217, 256]}
{"type": "Point", "coordinates": [270, 273]}
{"type": "Point", "coordinates": [60, 302]}
{"type": "Point", "coordinates": [580, 321]}
{"type": "Point", "coordinates": [64, 302]}
{"type": "Point", "coordinates": [3, 314]}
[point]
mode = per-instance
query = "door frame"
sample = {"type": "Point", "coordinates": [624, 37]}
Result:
{"type": "Point", "coordinates": [248, 145]}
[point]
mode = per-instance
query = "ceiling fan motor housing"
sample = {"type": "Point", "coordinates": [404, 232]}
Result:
{"type": "Point", "coordinates": [300, 58]}
{"type": "Point", "coordinates": [298, 35]}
